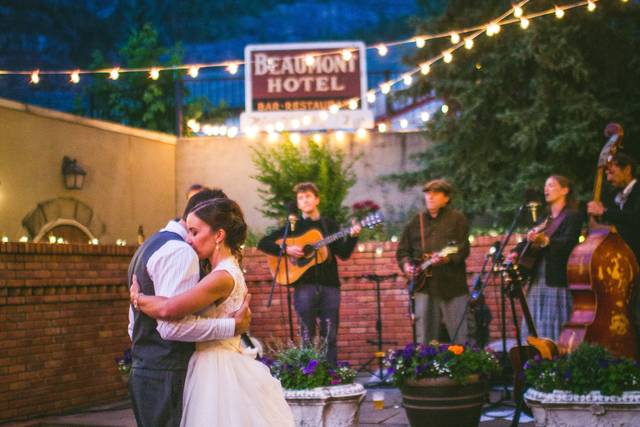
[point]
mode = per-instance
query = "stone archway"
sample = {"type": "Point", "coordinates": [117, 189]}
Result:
{"type": "Point", "coordinates": [66, 218]}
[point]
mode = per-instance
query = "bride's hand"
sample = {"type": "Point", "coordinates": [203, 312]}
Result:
{"type": "Point", "coordinates": [134, 292]}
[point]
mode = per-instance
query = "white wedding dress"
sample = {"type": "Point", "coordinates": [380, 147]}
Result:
{"type": "Point", "coordinates": [226, 388]}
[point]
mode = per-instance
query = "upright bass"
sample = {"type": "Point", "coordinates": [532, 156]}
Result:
{"type": "Point", "coordinates": [601, 272]}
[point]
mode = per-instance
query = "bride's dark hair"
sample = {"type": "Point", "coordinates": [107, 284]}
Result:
{"type": "Point", "coordinates": [224, 214]}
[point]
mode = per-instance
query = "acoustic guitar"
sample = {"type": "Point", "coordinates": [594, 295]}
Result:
{"type": "Point", "coordinates": [315, 250]}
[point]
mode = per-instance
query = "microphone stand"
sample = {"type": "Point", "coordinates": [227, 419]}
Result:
{"type": "Point", "coordinates": [282, 253]}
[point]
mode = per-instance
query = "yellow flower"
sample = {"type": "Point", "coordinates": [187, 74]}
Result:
{"type": "Point", "coordinates": [456, 349]}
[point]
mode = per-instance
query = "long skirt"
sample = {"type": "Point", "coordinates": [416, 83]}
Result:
{"type": "Point", "coordinates": [550, 306]}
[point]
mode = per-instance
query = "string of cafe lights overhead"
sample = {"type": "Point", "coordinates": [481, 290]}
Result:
{"type": "Point", "coordinates": [459, 38]}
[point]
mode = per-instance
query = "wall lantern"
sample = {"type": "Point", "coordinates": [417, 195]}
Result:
{"type": "Point", "coordinates": [72, 173]}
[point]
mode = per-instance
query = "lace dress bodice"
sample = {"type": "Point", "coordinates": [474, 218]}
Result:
{"type": "Point", "coordinates": [229, 306]}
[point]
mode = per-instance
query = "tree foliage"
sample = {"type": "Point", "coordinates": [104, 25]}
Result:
{"type": "Point", "coordinates": [282, 166]}
{"type": "Point", "coordinates": [526, 104]}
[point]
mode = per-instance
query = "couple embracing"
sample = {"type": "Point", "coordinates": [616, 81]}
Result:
{"type": "Point", "coordinates": [188, 368]}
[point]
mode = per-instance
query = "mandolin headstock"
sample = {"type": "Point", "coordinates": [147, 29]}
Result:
{"type": "Point", "coordinates": [372, 220]}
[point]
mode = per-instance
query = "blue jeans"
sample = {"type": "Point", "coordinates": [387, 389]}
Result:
{"type": "Point", "coordinates": [323, 303]}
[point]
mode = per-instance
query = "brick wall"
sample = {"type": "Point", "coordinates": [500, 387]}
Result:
{"type": "Point", "coordinates": [63, 317]}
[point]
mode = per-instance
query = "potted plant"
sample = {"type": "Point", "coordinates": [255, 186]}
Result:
{"type": "Point", "coordinates": [441, 381]}
{"type": "Point", "coordinates": [318, 394]}
{"type": "Point", "coordinates": [587, 387]}
{"type": "Point", "coordinates": [123, 363]}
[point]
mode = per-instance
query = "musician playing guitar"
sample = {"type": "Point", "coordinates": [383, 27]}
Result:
{"type": "Point", "coordinates": [317, 291]}
{"type": "Point", "coordinates": [444, 294]}
{"type": "Point", "coordinates": [548, 246]}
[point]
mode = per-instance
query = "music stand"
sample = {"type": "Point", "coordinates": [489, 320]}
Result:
{"type": "Point", "coordinates": [383, 379]}
{"type": "Point", "coordinates": [283, 253]}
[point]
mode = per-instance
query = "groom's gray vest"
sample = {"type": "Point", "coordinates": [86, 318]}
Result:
{"type": "Point", "coordinates": [149, 350]}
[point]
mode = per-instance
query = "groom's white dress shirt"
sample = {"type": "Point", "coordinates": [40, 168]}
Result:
{"type": "Point", "coordinates": [174, 269]}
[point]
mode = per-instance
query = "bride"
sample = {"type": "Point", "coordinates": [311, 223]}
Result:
{"type": "Point", "coordinates": [223, 387]}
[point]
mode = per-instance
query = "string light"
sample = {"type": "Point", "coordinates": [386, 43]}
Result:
{"type": "Point", "coordinates": [447, 56]}
{"type": "Point", "coordinates": [232, 68]}
{"type": "Point", "coordinates": [334, 108]}
{"type": "Point", "coordinates": [559, 13]}
{"type": "Point", "coordinates": [420, 42]}
{"type": "Point", "coordinates": [407, 79]}
{"type": "Point", "coordinates": [340, 136]}
{"type": "Point", "coordinates": [273, 137]}
{"type": "Point", "coordinates": [468, 43]}
{"type": "Point", "coordinates": [346, 54]}
{"type": "Point", "coordinates": [591, 6]}
{"type": "Point", "coordinates": [382, 50]}
{"type": "Point", "coordinates": [306, 120]}
{"type": "Point", "coordinates": [35, 77]}
{"type": "Point", "coordinates": [269, 128]}
{"type": "Point", "coordinates": [361, 133]}
{"type": "Point", "coordinates": [517, 11]}
{"type": "Point", "coordinates": [309, 60]}
{"type": "Point", "coordinates": [425, 68]}
{"type": "Point", "coordinates": [251, 132]}
{"type": "Point", "coordinates": [114, 73]}
{"type": "Point", "coordinates": [455, 38]}
{"type": "Point", "coordinates": [324, 115]}
{"type": "Point", "coordinates": [317, 138]}
{"type": "Point", "coordinates": [371, 97]}
{"type": "Point", "coordinates": [295, 123]}
{"type": "Point", "coordinates": [385, 88]}
{"type": "Point", "coordinates": [353, 104]}
{"type": "Point", "coordinates": [193, 71]}
{"type": "Point", "coordinates": [382, 127]}
{"type": "Point", "coordinates": [424, 116]}
{"type": "Point", "coordinates": [279, 126]}
{"type": "Point", "coordinates": [154, 74]}
{"type": "Point", "coordinates": [404, 123]}
{"type": "Point", "coordinates": [493, 28]}
{"type": "Point", "coordinates": [444, 108]}
{"type": "Point", "coordinates": [295, 138]}
{"type": "Point", "coordinates": [75, 77]}
{"type": "Point", "coordinates": [524, 23]}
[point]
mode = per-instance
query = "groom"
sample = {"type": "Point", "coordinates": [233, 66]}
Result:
{"type": "Point", "coordinates": [166, 265]}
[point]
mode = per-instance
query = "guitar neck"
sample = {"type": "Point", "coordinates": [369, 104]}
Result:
{"type": "Point", "coordinates": [332, 238]}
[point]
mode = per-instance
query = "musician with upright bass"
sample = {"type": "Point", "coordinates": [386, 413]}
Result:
{"type": "Point", "coordinates": [316, 283]}
{"type": "Point", "coordinates": [437, 238]}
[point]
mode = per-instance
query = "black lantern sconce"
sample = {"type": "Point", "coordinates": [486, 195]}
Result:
{"type": "Point", "coordinates": [72, 173]}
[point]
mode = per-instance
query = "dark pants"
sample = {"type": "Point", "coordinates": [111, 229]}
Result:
{"type": "Point", "coordinates": [157, 397]}
{"type": "Point", "coordinates": [323, 303]}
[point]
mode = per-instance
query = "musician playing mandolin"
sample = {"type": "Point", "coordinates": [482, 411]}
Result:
{"type": "Point", "coordinates": [550, 243]}
{"type": "Point", "coordinates": [443, 296]}
{"type": "Point", "coordinates": [317, 291]}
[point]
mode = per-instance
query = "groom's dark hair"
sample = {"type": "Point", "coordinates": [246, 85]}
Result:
{"type": "Point", "coordinates": [202, 196]}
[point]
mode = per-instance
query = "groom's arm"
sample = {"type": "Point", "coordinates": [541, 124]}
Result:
{"type": "Point", "coordinates": [174, 269]}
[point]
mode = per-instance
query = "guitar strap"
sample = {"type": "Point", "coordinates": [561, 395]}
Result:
{"type": "Point", "coordinates": [555, 224]}
{"type": "Point", "coordinates": [422, 233]}
{"type": "Point", "coordinates": [325, 230]}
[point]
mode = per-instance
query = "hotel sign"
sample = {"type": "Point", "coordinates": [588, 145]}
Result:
{"type": "Point", "coordinates": [293, 86]}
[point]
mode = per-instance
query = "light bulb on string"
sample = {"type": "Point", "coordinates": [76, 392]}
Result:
{"type": "Point", "coordinates": [324, 115]}
{"type": "Point", "coordinates": [114, 73]}
{"type": "Point", "coordinates": [317, 138]}
{"type": "Point", "coordinates": [425, 69]}
{"type": "Point", "coordinates": [425, 116]}
{"type": "Point", "coordinates": [468, 43]}
{"type": "Point", "coordinates": [340, 136]}
{"type": "Point", "coordinates": [420, 42]}
{"type": "Point", "coordinates": [232, 132]}
{"type": "Point", "coordinates": [334, 108]}
{"type": "Point", "coordinates": [385, 88]}
{"type": "Point", "coordinates": [524, 23]}
{"type": "Point", "coordinates": [252, 132]}
{"type": "Point", "coordinates": [447, 56]}
{"type": "Point", "coordinates": [75, 77]}
{"type": "Point", "coordinates": [407, 79]}
{"type": "Point", "coordinates": [591, 6]}
{"type": "Point", "coordinates": [279, 126]}
{"type": "Point", "coordinates": [382, 49]}
{"type": "Point", "coordinates": [559, 13]}
{"type": "Point", "coordinates": [493, 29]}
{"type": "Point", "coordinates": [346, 54]}
{"type": "Point", "coordinates": [404, 123]}
{"type": "Point", "coordinates": [353, 104]}
{"type": "Point", "coordinates": [455, 38]}
{"type": "Point", "coordinates": [361, 133]}
{"type": "Point", "coordinates": [35, 77]}
{"type": "Point", "coordinates": [193, 71]}
{"type": "Point", "coordinates": [306, 120]}
{"type": "Point", "coordinates": [154, 74]}
{"type": "Point", "coordinates": [273, 137]}
{"type": "Point", "coordinates": [444, 108]}
{"type": "Point", "coordinates": [295, 138]}
{"type": "Point", "coordinates": [295, 123]}
{"type": "Point", "coordinates": [517, 11]}
{"type": "Point", "coordinates": [270, 128]}
{"type": "Point", "coordinates": [371, 97]}
{"type": "Point", "coordinates": [232, 67]}
{"type": "Point", "coordinates": [382, 127]}
{"type": "Point", "coordinates": [309, 60]}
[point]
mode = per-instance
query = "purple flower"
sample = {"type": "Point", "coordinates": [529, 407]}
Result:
{"type": "Point", "coordinates": [311, 367]}
{"type": "Point", "coordinates": [428, 351]}
{"type": "Point", "coordinates": [408, 351]}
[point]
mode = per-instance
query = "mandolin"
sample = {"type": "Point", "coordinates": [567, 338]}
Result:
{"type": "Point", "coordinates": [315, 250]}
{"type": "Point", "coordinates": [423, 270]}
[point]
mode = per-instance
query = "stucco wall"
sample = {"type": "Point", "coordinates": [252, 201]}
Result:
{"type": "Point", "coordinates": [226, 163]}
{"type": "Point", "coordinates": [130, 173]}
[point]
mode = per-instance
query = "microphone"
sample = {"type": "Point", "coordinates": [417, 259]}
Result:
{"type": "Point", "coordinates": [532, 201]}
{"type": "Point", "coordinates": [292, 209]}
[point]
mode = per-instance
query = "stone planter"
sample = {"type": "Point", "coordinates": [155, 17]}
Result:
{"type": "Point", "coordinates": [444, 400]}
{"type": "Point", "coordinates": [562, 408]}
{"type": "Point", "coordinates": [335, 406]}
